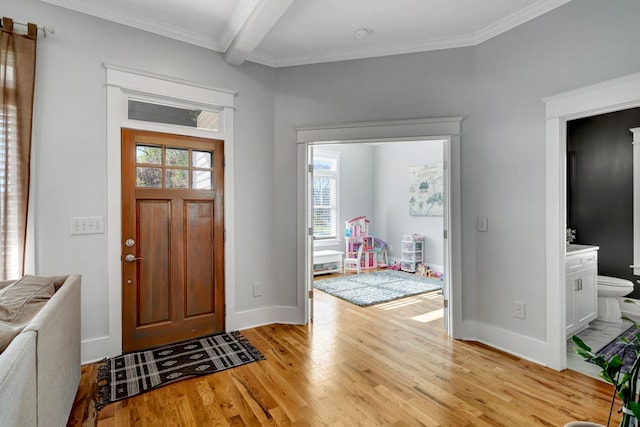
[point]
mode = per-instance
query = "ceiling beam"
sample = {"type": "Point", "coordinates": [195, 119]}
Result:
{"type": "Point", "coordinates": [261, 19]}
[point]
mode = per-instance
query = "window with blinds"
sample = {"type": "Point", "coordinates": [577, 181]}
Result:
{"type": "Point", "coordinates": [325, 194]}
{"type": "Point", "coordinates": [9, 183]}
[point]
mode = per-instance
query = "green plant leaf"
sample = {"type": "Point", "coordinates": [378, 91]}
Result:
{"type": "Point", "coordinates": [625, 340]}
{"type": "Point", "coordinates": [635, 407]}
{"type": "Point", "coordinates": [630, 319]}
{"type": "Point", "coordinates": [625, 395]}
{"type": "Point", "coordinates": [614, 364]}
{"type": "Point", "coordinates": [581, 344]}
{"type": "Point", "coordinates": [623, 385]}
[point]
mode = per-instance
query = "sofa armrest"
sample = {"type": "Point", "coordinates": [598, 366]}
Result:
{"type": "Point", "coordinates": [57, 327]}
{"type": "Point", "coordinates": [18, 382]}
{"type": "Point", "coordinates": [5, 283]}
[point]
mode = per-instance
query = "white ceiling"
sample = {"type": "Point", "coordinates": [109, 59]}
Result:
{"type": "Point", "coordinates": [293, 32]}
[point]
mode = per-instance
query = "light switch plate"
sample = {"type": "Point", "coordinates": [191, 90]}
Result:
{"type": "Point", "coordinates": [257, 289]}
{"type": "Point", "coordinates": [483, 223]}
{"type": "Point", "coordinates": [87, 225]}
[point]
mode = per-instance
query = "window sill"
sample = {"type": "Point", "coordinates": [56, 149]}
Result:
{"type": "Point", "coordinates": [329, 242]}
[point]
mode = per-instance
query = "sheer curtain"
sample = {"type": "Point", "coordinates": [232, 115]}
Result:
{"type": "Point", "coordinates": [17, 79]}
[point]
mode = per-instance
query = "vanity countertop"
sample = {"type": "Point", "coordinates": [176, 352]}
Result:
{"type": "Point", "coordinates": [579, 249]}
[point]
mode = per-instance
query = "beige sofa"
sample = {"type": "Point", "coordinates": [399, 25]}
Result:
{"type": "Point", "coordinates": [40, 368]}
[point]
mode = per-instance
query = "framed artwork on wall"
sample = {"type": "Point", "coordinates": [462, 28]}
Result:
{"type": "Point", "coordinates": [426, 190]}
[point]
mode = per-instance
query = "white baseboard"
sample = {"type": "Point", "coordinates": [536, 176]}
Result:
{"type": "Point", "coordinates": [519, 345]}
{"type": "Point", "coordinates": [265, 316]}
{"type": "Point", "coordinates": [96, 349]}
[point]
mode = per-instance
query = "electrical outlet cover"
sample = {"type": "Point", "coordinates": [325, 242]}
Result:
{"type": "Point", "coordinates": [519, 309]}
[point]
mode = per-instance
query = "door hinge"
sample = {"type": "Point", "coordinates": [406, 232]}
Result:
{"type": "Point", "coordinates": [224, 235]}
{"type": "Point", "coordinates": [310, 294]}
{"type": "Point", "coordinates": [310, 168]}
{"type": "Point", "coordinates": [444, 233]}
{"type": "Point", "coordinates": [445, 164]}
{"type": "Point", "coordinates": [445, 303]}
{"type": "Point", "coordinates": [310, 231]}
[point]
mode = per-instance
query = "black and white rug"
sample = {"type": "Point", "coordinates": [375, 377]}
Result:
{"type": "Point", "coordinates": [377, 287]}
{"type": "Point", "coordinates": [134, 373]}
{"type": "Point", "coordinates": [618, 347]}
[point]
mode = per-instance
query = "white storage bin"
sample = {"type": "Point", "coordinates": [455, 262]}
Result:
{"type": "Point", "coordinates": [411, 256]}
{"type": "Point", "coordinates": [409, 266]}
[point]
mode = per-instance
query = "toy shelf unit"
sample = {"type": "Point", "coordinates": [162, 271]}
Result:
{"type": "Point", "coordinates": [374, 251]}
{"type": "Point", "coordinates": [325, 262]}
{"type": "Point", "coordinates": [412, 252]}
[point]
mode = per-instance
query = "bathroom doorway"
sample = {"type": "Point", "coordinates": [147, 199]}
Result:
{"type": "Point", "coordinates": [599, 212]}
{"type": "Point", "coordinates": [613, 95]}
{"type": "Point", "coordinates": [600, 188]}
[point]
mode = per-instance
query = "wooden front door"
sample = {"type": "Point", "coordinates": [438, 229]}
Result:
{"type": "Point", "coordinates": [172, 238]}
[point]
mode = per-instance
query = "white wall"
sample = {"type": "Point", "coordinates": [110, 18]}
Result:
{"type": "Point", "coordinates": [581, 43]}
{"type": "Point", "coordinates": [392, 163]}
{"type": "Point", "coordinates": [70, 147]}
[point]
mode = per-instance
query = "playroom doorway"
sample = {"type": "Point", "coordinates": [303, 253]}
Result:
{"type": "Point", "coordinates": [416, 132]}
{"type": "Point", "coordinates": [363, 214]}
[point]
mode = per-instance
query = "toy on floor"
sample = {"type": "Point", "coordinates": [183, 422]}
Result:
{"type": "Point", "coordinates": [394, 266]}
{"type": "Point", "coordinates": [424, 270]}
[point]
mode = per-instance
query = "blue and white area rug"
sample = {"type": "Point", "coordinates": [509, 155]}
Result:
{"type": "Point", "coordinates": [374, 288]}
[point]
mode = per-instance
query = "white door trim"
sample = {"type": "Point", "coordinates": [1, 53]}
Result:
{"type": "Point", "coordinates": [448, 128]}
{"type": "Point", "coordinates": [612, 95]}
{"type": "Point", "coordinates": [122, 84]}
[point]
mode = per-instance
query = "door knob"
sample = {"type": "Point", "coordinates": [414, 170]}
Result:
{"type": "Point", "coordinates": [131, 258]}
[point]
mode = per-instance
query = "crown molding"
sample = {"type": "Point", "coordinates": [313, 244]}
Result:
{"type": "Point", "coordinates": [533, 11]}
{"type": "Point", "coordinates": [518, 18]}
{"type": "Point", "coordinates": [139, 22]}
{"type": "Point", "coordinates": [362, 53]}
{"type": "Point", "coordinates": [246, 8]}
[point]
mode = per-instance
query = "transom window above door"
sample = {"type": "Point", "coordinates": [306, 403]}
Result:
{"type": "Point", "coordinates": [172, 115]}
{"type": "Point", "coordinates": [173, 167]}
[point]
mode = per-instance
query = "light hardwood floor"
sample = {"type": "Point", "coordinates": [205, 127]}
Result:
{"type": "Point", "coordinates": [390, 364]}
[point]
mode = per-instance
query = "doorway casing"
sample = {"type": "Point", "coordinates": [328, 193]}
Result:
{"type": "Point", "coordinates": [124, 84]}
{"type": "Point", "coordinates": [448, 129]}
{"type": "Point", "coordinates": [613, 95]}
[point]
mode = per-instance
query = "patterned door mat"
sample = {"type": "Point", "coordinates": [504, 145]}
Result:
{"type": "Point", "coordinates": [134, 373]}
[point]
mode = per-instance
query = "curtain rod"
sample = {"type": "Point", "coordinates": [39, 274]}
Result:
{"type": "Point", "coordinates": [51, 30]}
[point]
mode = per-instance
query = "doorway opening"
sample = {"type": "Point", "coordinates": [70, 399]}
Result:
{"type": "Point", "coordinates": [613, 95]}
{"type": "Point", "coordinates": [374, 183]}
{"type": "Point", "coordinates": [447, 129]}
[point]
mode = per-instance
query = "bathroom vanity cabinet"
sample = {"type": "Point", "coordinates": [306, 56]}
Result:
{"type": "Point", "coordinates": [581, 269]}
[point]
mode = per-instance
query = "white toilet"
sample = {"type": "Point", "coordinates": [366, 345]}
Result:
{"type": "Point", "coordinates": [610, 289]}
